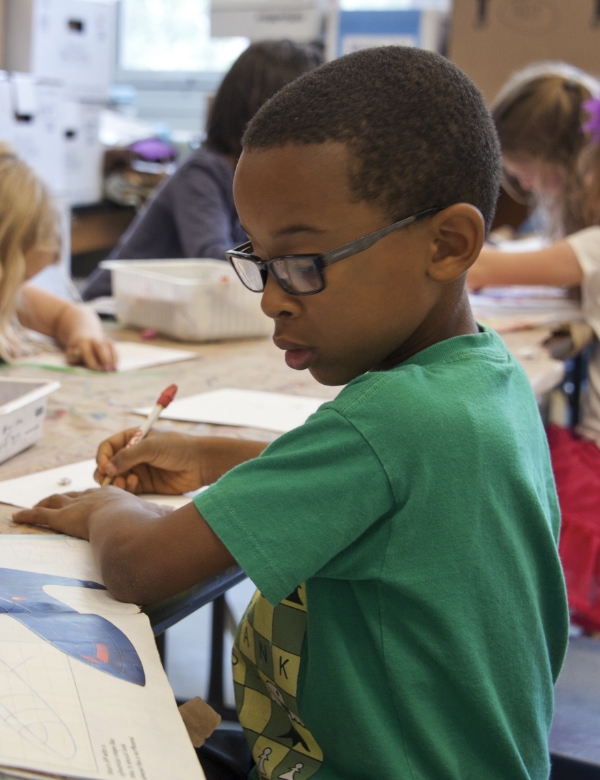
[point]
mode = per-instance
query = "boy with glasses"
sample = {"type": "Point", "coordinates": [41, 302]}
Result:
{"type": "Point", "coordinates": [411, 615]}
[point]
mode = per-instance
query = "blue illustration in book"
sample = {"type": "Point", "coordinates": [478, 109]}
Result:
{"type": "Point", "coordinates": [89, 638]}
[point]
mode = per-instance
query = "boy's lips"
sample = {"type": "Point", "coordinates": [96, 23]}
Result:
{"type": "Point", "coordinates": [297, 356]}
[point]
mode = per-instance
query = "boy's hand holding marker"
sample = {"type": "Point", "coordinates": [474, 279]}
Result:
{"type": "Point", "coordinates": [170, 463]}
{"type": "Point", "coordinates": [164, 400]}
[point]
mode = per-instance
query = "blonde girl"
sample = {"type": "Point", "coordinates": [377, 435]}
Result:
{"type": "Point", "coordinates": [29, 241]}
{"type": "Point", "coordinates": [549, 125]}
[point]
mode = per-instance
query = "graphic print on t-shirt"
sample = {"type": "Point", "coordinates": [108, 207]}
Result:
{"type": "Point", "coordinates": [266, 663]}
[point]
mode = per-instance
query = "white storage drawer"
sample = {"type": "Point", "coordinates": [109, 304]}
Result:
{"type": "Point", "coordinates": [22, 412]}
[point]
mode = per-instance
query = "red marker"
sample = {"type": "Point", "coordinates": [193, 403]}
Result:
{"type": "Point", "coordinates": [164, 400]}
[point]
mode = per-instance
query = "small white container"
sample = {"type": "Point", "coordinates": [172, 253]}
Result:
{"type": "Point", "coordinates": [22, 412]}
{"type": "Point", "coordinates": [190, 300]}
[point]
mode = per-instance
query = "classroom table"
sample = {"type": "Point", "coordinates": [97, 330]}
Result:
{"type": "Point", "coordinates": [90, 406]}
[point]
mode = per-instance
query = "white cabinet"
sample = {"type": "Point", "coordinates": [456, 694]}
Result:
{"type": "Point", "coordinates": [72, 41]}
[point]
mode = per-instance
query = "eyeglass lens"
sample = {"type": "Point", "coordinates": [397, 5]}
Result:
{"type": "Point", "coordinates": [295, 274]}
{"type": "Point", "coordinates": [250, 274]}
{"type": "Point", "coordinates": [298, 274]}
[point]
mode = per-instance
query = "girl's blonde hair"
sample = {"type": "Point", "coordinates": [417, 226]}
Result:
{"type": "Point", "coordinates": [28, 220]}
{"type": "Point", "coordinates": [538, 116]}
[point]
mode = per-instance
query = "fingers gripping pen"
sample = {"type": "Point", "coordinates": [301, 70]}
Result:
{"type": "Point", "coordinates": [164, 400]}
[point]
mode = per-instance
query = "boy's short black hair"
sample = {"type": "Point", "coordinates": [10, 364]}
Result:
{"type": "Point", "coordinates": [417, 126]}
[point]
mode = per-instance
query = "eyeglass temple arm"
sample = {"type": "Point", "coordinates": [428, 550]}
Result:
{"type": "Point", "coordinates": [360, 244]}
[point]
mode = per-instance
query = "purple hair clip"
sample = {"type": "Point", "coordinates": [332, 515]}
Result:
{"type": "Point", "coordinates": [592, 126]}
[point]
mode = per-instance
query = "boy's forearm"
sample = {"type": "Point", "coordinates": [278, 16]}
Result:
{"type": "Point", "coordinates": [224, 453]}
{"type": "Point", "coordinates": [139, 551]}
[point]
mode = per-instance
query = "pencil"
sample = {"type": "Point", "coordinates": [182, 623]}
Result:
{"type": "Point", "coordinates": [164, 400]}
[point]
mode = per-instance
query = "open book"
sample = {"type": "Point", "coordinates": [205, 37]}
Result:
{"type": "Point", "coordinates": [82, 691]}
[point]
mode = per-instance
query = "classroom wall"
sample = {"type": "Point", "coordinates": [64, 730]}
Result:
{"type": "Point", "coordinates": [490, 40]}
{"type": "Point", "coordinates": [2, 17]}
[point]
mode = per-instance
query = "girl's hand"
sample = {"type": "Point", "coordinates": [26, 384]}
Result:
{"type": "Point", "coordinates": [98, 353]}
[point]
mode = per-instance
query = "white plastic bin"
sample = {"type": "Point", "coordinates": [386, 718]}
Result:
{"type": "Point", "coordinates": [190, 300]}
{"type": "Point", "coordinates": [22, 412]}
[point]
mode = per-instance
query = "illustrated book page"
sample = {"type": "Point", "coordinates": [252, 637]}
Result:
{"type": "Point", "coordinates": [82, 690]}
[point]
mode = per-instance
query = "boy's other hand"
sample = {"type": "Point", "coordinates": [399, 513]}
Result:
{"type": "Point", "coordinates": [69, 513]}
{"type": "Point", "coordinates": [97, 353]}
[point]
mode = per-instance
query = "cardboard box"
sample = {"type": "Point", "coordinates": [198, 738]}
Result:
{"type": "Point", "coordinates": [72, 41]}
{"type": "Point", "coordinates": [491, 39]}
{"type": "Point", "coordinates": [57, 137]}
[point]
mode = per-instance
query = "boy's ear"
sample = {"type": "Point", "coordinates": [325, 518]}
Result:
{"type": "Point", "coordinates": [457, 235]}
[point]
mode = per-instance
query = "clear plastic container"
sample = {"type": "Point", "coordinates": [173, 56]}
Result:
{"type": "Point", "coordinates": [190, 300]}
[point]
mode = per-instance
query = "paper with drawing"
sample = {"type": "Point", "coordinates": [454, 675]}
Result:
{"type": "Point", "coordinates": [132, 356]}
{"type": "Point", "coordinates": [82, 691]}
{"type": "Point", "coordinates": [271, 411]}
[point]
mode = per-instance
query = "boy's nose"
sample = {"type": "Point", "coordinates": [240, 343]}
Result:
{"type": "Point", "coordinates": [276, 303]}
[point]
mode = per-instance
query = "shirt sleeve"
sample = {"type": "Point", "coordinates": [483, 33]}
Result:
{"type": "Point", "coordinates": [309, 496]}
{"type": "Point", "coordinates": [202, 212]}
{"type": "Point", "coordinates": [586, 245]}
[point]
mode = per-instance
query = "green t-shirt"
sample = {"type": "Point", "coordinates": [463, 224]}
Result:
{"type": "Point", "coordinates": [412, 616]}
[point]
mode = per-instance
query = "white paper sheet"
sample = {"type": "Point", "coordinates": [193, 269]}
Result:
{"type": "Point", "coordinates": [82, 691]}
{"type": "Point", "coordinates": [528, 244]}
{"type": "Point", "coordinates": [132, 356]}
{"type": "Point", "coordinates": [271, 411]}
{"type": "Point", "coordinates": [27, 491]}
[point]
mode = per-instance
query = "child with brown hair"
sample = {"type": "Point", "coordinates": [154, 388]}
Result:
{"type": "Point", "coordinates": [538, 116]}
{"type": "Point", "coordinates": [29, 241]}
{"type": "Point", "coordinates": [549, 127]}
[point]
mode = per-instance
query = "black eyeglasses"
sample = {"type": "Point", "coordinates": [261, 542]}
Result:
{"type": "Point", "coordinates": [303, 274]}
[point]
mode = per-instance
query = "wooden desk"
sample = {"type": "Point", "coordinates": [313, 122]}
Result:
{"type": "Point", "coordinates": [91, 406]}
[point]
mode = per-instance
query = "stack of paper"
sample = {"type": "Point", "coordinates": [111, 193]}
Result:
{"type": "Point", "coordinates": [518, 307]}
